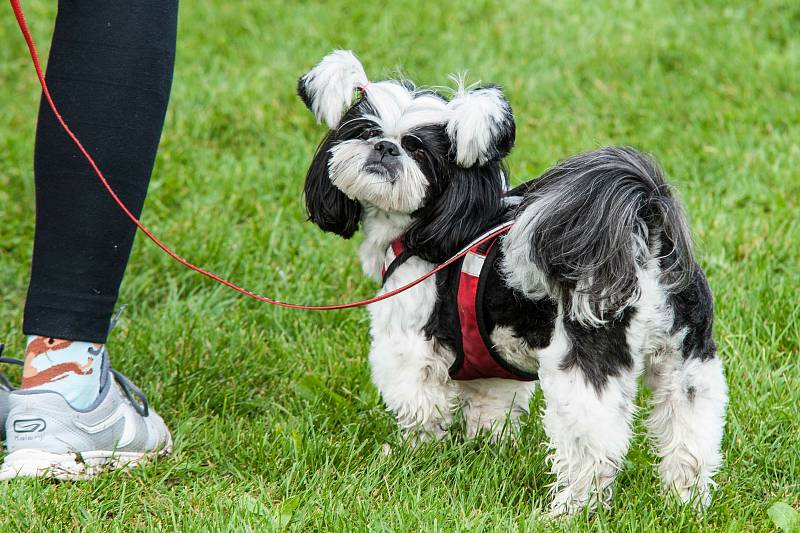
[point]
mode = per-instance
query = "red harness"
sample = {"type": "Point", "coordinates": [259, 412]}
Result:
{"type": "Point", "coordinates": [476, 357]}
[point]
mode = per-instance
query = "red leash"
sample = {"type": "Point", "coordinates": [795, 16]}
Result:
{"type": "Point", "coordinates": [45, 91]}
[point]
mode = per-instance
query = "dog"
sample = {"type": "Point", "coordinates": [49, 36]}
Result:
{"type": "Point", "coordinates": [592, 284]}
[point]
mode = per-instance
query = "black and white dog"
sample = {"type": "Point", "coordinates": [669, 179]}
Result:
{"type": "Point", "coordinates": [593, 285]}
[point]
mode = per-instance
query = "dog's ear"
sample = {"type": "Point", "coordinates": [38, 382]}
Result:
{"type": "Point", "coordinates": [481, 126]}
{"type": "Point", "coordinates": [328, 207]}
{"type": "Point", "coordinates": [471, 199]}
{"type": "Point", "coordinates": [329, 89]}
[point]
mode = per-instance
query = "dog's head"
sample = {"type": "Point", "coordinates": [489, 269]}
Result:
{"type": "Point", "coordinates": [403, 150]}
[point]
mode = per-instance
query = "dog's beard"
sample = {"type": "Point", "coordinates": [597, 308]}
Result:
{"type": "Point", "coordinates": [401, 191]}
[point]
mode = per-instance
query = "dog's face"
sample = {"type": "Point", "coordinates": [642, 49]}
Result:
{"type": "Point", "coordinates": [402, 150]}
{"type": "Point", "coordinates": [390, 148]}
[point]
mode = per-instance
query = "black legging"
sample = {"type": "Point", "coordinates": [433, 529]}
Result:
{"type": "Point", "coordinates": [110, 73]}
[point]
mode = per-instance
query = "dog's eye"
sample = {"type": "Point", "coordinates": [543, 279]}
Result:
{"type": "Point", "coordinates": [368, 134]}
{"type": "Point", "coordinates": [411, 144]}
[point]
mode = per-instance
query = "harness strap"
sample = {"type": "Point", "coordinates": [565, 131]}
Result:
{"type": "Point", "coordinates": [476, 357]}
{"type": "Point", "coordinates": [391, 260]}
{"type": "Point", "coordinates": [396, 253]}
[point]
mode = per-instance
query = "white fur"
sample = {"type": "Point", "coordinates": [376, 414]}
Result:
{"type": "Point", "coordinates": [397, 111]}
{"type": "Point", "coordinates": [686, 422]}
{"type": "Point", "coordinates": [403, 195]}
{"type": "Point", "coordinates": [689, 397]}
{"type": "Point", "coordinates": [410, 371]}
{"type": "Point", "coordinates": [494, 405]}
{"type": "Point", "coordinates": [515, 350]}
{"type": "Point", "coordinates": [477, 117]}
{"type": "Point", "coordinates": [589, 432]}
{"type": "Point", "coordinates": [380, 229]}
{"type": "Point", "coordinates": [588, 425]}
{"type": "Point", "coordinates": [519, 271]}
{"type": "Point", "coordinates": [331, 84]}
{"type": "Point", "coordinates": [522, 274]}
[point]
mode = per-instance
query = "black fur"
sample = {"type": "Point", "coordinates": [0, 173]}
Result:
{"type": "Point", "coordinates": [592, 209]}
{"type": "Point", "coordinates": [532, 320]}
{"type": "Point", "coordinates": [443, 325]}
{"type": "Point", "coordinates": [694, 310]}
{"type": "Point", "coordinates": [328, 207]}
{"type": "Point", "coordinates": [506, 131]}
{"type": "Point", "coordinates": [502, 306]}
{"type": "Point", "coordinates": [599, 216]}
{"type": "Point", "coordinates": [462, 203]}
{"type": "Point", "coordinates": [302, 92]}
{"type": "Point", "coordinates": [600, 353]}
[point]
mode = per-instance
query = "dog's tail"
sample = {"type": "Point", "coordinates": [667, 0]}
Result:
{"type": "Point", "coordinates": [588, 226]}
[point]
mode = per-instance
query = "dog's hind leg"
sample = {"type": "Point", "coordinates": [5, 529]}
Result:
{"type": "Point", "coordinates": [689, 399]}
{"type": "Point", "coordinates": [686, 423]}
{"type": "Point", "coordinates": [589, 381]}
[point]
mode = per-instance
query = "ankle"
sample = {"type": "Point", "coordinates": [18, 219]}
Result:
{"type": "Point", "coordinates": [71, 368]}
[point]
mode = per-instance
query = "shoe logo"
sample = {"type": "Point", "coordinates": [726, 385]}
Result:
{"type": "Point", "coordinates": [123, 411]}
{"type": "Point", "coordinates": [29, 425]}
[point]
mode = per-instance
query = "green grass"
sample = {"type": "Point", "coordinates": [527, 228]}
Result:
{"type": "Point", "coordinates": [275, 420]}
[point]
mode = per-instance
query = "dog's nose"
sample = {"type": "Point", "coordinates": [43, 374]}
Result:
{"type": "Point", "coordinates": [387, 148]}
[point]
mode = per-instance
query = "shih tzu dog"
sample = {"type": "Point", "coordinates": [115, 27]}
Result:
{"type": "Point", "coordinates": [590, 282]}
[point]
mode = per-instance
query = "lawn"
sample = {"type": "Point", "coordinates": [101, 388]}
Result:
{"type": "Point", "coordinates": [275, 420]}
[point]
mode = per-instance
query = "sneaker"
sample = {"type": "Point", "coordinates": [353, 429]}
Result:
{"type": "Point", "coordinates": [5, 388]}
{"type": "Point", "coordinates": [47, 437]}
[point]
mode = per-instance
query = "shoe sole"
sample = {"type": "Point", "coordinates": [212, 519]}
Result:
{"type": "Point", "coordinates": [72, 466]}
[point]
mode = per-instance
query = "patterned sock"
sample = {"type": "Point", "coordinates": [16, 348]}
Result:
{"type": "Point", "coordinates": [71, 368]}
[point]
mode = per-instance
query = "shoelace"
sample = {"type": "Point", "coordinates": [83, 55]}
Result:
{"type": "Point", "coordinates": [133, 393]}
{"type": "Point", "coordinates": [4, 383]}
{"type": "Point", "coordinates": [130, 390]}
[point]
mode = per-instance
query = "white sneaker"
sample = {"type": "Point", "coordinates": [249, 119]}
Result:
{"type": "Point", "coordinates": [47, 437]}
{"type": "Point", "coordinates": [5, 388]}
